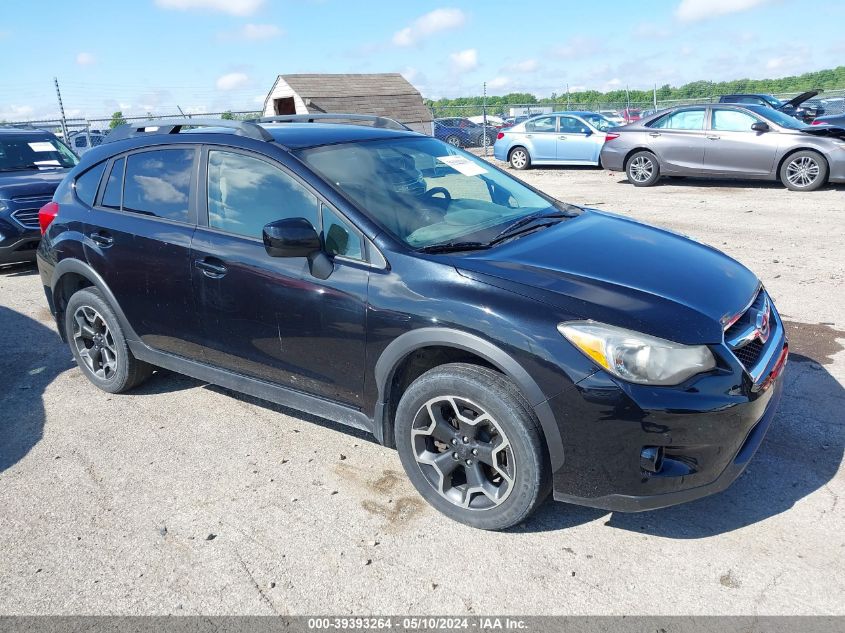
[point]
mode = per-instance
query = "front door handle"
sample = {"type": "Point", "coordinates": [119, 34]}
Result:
{"type": "Point", "coordinates": [654, 134]}
{"type": "Point", "coordinates": [561, 138]}
{"type": "Point", "coordinates": [211, 268]}
{"type": "Point", "coordinates": [713, 137]}
{"type": "Point", "coordinates": [101, 238]}
{"type": "Point", "coordinates": [529, 136]}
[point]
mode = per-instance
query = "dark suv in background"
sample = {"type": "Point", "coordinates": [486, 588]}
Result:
{"type": "Point", "coordinates": [506, 343]}
{"type": "Point", "coordinates": [32, 164]}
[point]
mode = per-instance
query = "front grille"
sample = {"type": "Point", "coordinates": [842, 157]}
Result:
{"type": "Point", "coordinates": [744, 338]}
{"type": "Point", "coordinates": [27, 218]}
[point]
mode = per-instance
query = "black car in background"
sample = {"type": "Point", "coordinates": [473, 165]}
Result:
{"type": "Point", "coordinates": [32, 164]}
{"type": "Point", "coordinates": [792, 107]}
{"type": "Point", "coordinates": [509, 345]}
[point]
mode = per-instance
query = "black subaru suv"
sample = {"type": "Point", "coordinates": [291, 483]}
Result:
{"type": "Point", "coordinates": [507, 344]}
{"type": "Point", "coordinates": [32, 164]}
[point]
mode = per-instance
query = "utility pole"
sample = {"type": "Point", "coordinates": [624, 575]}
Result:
{"type": "Point", "coordinates": [180, 110]}
{"type": "Point", "coordinates": [61, 110]}
{"type": "Point", "coordinates": [484, 117]}
{"type": "Point", "coordinates": [568, 106]}
{"type": "Point", "coordinates": [655, 96]}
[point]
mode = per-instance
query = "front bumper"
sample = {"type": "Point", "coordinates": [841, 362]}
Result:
{"type": "Point", "coordinates": [17, 244]}
{"type": "Point", "coordinates": [708, 433]}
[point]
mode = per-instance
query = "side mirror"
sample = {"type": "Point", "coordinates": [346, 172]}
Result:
{"type": "Point", "coordinates": [760, 127]}
{"type": "Point", "coordinates": [291, 237]}
{"type": "Point", "coordinates": [586, 131]}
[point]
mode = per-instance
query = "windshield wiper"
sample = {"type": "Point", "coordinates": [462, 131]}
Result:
{"type": "Point", "coordinates": [522, 224]}
{"type": "Point", "coordinates": [454, 247]}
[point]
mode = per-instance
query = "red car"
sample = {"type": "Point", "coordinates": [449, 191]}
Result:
{"type": "Point", "coordinates": [631, 114]}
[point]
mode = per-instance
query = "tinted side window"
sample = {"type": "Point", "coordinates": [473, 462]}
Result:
{"type": "Point", "coordinates": [114, 185]}
{"type": "Point", "coordinates": [732, 121]}
{"type": "Point", "coordinates": [546, 124]}
{"type": "Point", "coordinates": [339, 237]}
{"type": "Point", "coordinates": [86, 185]}
{"type": "Point", "coordinates": [245, 193]}
{"type": "Point", "coordinates": [683, 120]}
{"type": "Point", "coordinates": [79, 142]}
{"type": "Point", "coordinates": [159, 183]}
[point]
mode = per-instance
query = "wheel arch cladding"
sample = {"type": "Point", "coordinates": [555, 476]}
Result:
{"type": "Point", "coordinates": [403, 347]}
{"type": "Point", "coordinates": [71, 275]}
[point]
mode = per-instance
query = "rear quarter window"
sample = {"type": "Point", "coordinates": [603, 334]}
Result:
{"type": "Point", "coordinates": [114, 185]}
{"type": "Point", "coordinates": [87, 183]}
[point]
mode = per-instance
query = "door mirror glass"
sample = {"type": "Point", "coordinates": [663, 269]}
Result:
{"type": "Point", "coordinates": [760, 127]}
{"type": "Point", "coordinates": [291, 237]}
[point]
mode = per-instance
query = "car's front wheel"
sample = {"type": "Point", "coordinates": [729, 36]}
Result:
{"type": "Point", "coordinates": [520, 158]}
{"type": "Point", "coordinates": [642, 169]}
{"type": "Point", "coordinates": [472, 446]}
{"type": "Point", "coordinates": [804, 171]}
{"type": "Point", "coordinates": [99, 345]}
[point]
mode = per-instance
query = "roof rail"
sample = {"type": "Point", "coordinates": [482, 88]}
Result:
{"type": "Point", "coordinates": [174, 126]}
{"type": "Point", "coordinates": [377, 121]}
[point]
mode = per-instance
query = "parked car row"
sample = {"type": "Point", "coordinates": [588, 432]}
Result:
{"type": "Point", "coordinates": [724, 140]}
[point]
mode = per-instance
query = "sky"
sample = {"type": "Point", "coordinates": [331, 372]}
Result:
{"type": "Point", "coordinates": [142, 56]}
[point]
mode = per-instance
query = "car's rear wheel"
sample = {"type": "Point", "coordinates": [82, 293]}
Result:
{"type": "Point", "coordinates": [642, 169]}
{"type": "Point", "coordinates": [453, 139]}
{"type": "Point", "coordinates": [804, 171]}
{"type": "Point", "coordinates": [472, 446]}
{"type": "Point", "coordinates": [520, 158]}
{"type": "Point", "coordinates": [99, 345]}
{"type": "Point", "coordinates": [488, 139]}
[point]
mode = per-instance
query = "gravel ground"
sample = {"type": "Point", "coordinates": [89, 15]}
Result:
{"type": "Point", "coordinates": [182, 498]}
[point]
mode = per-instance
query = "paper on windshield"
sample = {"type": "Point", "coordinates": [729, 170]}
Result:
{"type": "Point", "coordinates": [42, 146]}
{"type": "Point", "coordinates": [462, 165]}
{"type": "Point", "coordinates": [48, 163]}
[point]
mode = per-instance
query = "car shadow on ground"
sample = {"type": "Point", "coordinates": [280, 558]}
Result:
{"type": "Point", "coordinates": [802, 452]}
{"type": "Point", "coordinates": [33, 355]}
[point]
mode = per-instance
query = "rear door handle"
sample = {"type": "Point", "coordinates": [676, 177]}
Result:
{"type": "Point", "coordinates": [528, 135]}
{"type": "Point", "coordinates": [561, 138]}
{"type": "Point", "coordinates": [101, 238]}
{"type": "Point", "coordinates": [713, 137]}
{"type": "Point", "coordinates": [654, 134]}
{"type": "Point", "coordinates": [211, 268]}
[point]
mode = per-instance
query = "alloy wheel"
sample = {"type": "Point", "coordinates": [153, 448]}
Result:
{"type": "Point", "coordinates": [454, 141]}
{"type": "Point", "coordinates": [463, 453]}
{"type": "Point", "coordinates": [641, 169]}
{"type": "Point", "coordinates": [94, 342]}
{"type": "Point", "coordinates": [519, 158]}
{"type": "Point", "coordinates": [803, 171]}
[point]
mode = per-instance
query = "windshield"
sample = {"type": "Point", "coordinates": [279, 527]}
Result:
{"type": "Point", "coordinates": [424, 191]}
{"type": "Point", "coordinates": [601, 123]}
{"type": "Point", "coordinates": [19, 153]}
{"type": "Point", "coordinates": [776, 116]}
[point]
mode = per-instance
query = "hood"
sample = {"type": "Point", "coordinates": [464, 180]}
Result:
{"type": "Point", "coordinates": [615, 270]}
{"type": "Point", "coordinates": [17, 184]}
{"type": "Point", "coordinates": [835, 131]}
{"type": "Point", "coordinates": [796, 101]}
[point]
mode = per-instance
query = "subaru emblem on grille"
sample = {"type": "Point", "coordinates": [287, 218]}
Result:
{"type": "Point", "coordinates": [761, 322]}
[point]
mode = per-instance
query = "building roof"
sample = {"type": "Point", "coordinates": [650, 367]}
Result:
{"type": "Point", "coordinates": [382, 94]}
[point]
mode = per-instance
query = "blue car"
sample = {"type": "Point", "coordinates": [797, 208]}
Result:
{"type": "Point", "coordinates": [461, 132]}
{"type": "Point", "coordinates": [559, 138]}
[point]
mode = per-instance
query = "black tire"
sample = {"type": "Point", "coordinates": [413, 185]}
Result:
{"type": "Point", "coordinates": [509, 435]}
{"type": "Point", "coordinates": [490, 140]}
{"type": "Point", "coordinates": [642, 169]}
{"type": "Point", "coordinates": [804, 171]}
{"type": "Point", "coordinates": [101, 350]}
{"type": "Point", "coordinates": [519, 158]}
{"type": "Point", "coordinates": [454, 140]}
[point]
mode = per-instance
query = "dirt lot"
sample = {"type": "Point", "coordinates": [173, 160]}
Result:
{"type": "Point", "coordinates": [183, 498]}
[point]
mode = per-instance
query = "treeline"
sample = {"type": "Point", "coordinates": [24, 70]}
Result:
{"type": "Point", "coordinates": [822, 79]}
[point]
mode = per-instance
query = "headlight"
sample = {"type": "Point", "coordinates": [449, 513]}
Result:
{"type": "Point", "coordinates": [637, 357]}
{"type": "Point", "coordinates": [3, 205]}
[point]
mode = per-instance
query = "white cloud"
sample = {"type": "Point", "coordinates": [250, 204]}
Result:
{"type": "Point", "coordinates": [232, 81]}
{"type": "Point", "coordinates": [232, 7]}
{"type": "Point", "coordinates": [651, 31]}
{"type": "Point", "coordinates": [429, 24]}
{"type": "Point", "coordinates": [498, 83]}
{"type": "Point", "coordinates": [464, 61]}
{"type": "Point", "coordinates": [85, 59]}
{"type": "Point", "coordinates": [525, 66]}
{"type": "Point", "coordinates": [253, 32]}
{"type": "Point", "coordinates": [696, 10]}
{"type": "Point", "coordinates": [16, 112]}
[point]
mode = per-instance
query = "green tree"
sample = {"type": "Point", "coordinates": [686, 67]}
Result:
{"type": "Point", "coordinates": [227, 115]}
{"type": "Point", "coordinates": [116, 119]}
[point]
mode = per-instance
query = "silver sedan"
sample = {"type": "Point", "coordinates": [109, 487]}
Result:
{"type": "Point", "coordinates": [727, 141]}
